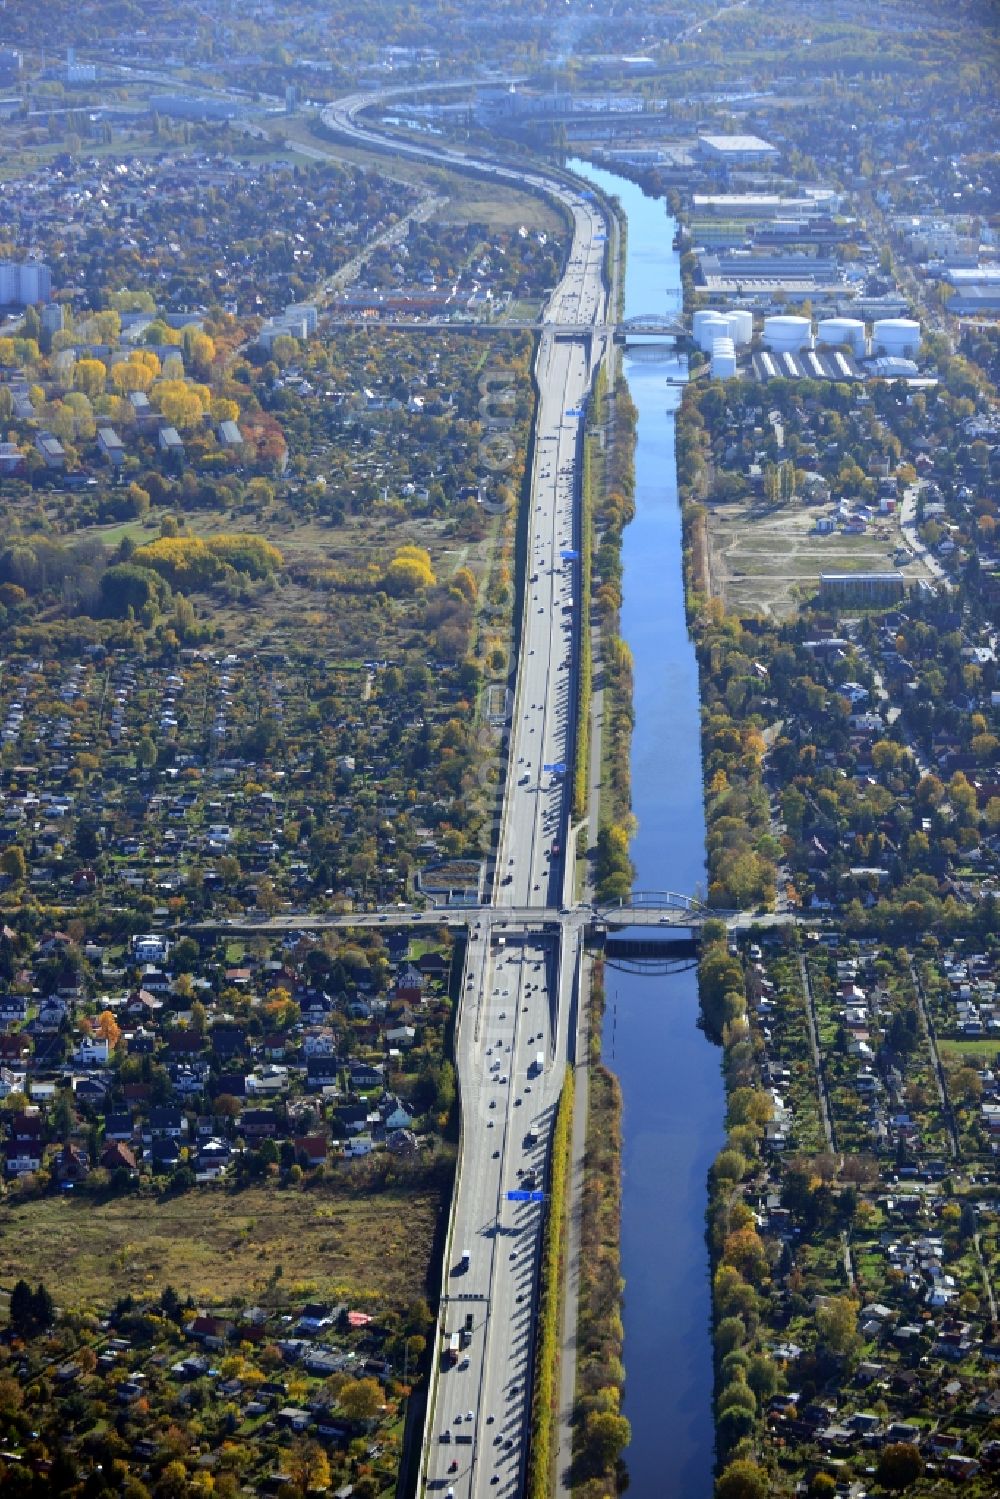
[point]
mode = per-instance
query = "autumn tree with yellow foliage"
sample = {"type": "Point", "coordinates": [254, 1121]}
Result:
{"type": "Point", "coordinates": [409, 572]}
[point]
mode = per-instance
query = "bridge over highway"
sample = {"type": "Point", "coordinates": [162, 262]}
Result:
{"type": "Point", "coordinates": [647, 909]}
{"type": "Point", "coordinates": [644, 326]}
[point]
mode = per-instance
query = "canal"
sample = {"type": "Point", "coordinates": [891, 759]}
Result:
{"type": "Point", "coordinates": [673, 1099]}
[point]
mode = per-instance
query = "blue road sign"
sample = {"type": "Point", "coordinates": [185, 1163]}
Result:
{"type": "Point", "coordinates": [519, 1195]}
{"type": "Point", "coordinates": [568, 555]}
{"type": "Point", "coordinates": [557, 768]}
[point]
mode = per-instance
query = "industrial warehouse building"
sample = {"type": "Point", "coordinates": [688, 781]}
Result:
{"type": "Point", "coordinates": [735, 150]}
{"type": "Point", "coordinates": [793, 278]}
{"type": "Point", "coordinates": [861, 588]}
{"type": "Point", "coordinates": [805, 364]}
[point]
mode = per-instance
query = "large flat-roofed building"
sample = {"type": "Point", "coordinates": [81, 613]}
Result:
{"type": "Point", "coordinates": [975, 299]}
{"type": "Point", "coordinates": [190, 107]}
{"type": "Point", "coordinates": [735, 149]}
{"type": "Point", "coordinates": [861, 588]}
{"type": "Point", "coordinates": [765, 205]}
{"type": "Point", "coordinates": [792, 277]}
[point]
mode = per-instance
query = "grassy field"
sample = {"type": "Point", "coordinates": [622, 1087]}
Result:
{"type": "Point", "coordinates": [760, 560]}
{"type": "Point", "coordinates": [500, 207]}
{"type": "Point", "coordinates": [987, 1048]}
{"type": "Point", "coordinates": [217, 1243]}
{"type": "Point", "coordinates": [469, 201]}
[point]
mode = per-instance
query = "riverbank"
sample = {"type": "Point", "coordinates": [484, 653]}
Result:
{"type": "Point", "coordinates": [601, 1431]}
{"type": "Point", "coordinates": [610, 507]}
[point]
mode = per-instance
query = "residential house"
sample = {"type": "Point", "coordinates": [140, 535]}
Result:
{"type": "Point", "coordinates": [166, 1123]}
{"type": "Point", "coordinates": [119, 1126]}
{"type": "Point", "coordinates": [311, 1149]}
{"type": "Point", "coordinates": [92, 1051]}
{"type": "Point", "coordinates": [322, 1071]}
{"type": "Point", "coordinates": [118, 1156]}
{"type": "Point", "coordinates": [364, 1075]}
{"type": "Point", "coordinates": [259, 1124]}
{"type": "Point", "coordinates": [211, 1332]}
{"type": "Point", "coordinates": [25, 1145]}
{"type": "Point", "coordinates": [70, 1166]}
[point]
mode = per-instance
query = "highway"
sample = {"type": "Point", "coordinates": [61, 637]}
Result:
{"type": "Point", "coordinates": [517, 1000]}
{"type": "Point", "coordinates": [516, 1009]}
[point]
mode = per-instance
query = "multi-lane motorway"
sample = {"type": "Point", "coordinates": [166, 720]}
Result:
{"type": "Point", "coordinates": [513, 1034]}
{"type": "Point", "coordinates": [516, 1012]}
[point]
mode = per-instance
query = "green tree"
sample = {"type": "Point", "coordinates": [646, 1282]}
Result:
{"type": "Point", "coordinates": [742, 1479]}
{"type": "Point", "coordinates": [308, 1466]}
{"type": "Point", "coordinates": [729, 1166]}
{"type": "Point", "coordinates": [13, 863]}
{"type": "Point", "coordinates": [362, 1399]}
{"type": "Point", "coordinates": [899, 1466]}
{"type": "Point", "coordinates": [30, 1311]}
{"type": "Point", "coordinates": [762, 1377]}
{"type": "Point", "coordinates": [837, 1325]}
{"type": "Point", "coordinates": [605, 1435]}
{"type": "Point", "coordinates": [146, 752]}
{"type": "Point", "coordinates": [63, 1116]}
{"type": "Point", "coordinates": [729, 1334]}
{"type": "Point", "coordinates": [738, 1395]}
{"type": "Point", "coordinates": [822, 1486]}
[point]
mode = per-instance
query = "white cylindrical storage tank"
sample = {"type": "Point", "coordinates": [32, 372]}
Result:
{"type": "Point", "coordinates": [713, 325]}
{"type": "Point", "coordinates": [740, 325]}
{"type": "Point", "coordinates": [899, 337]}
{"type": "Point", "coordinates": [787, 334]}
{"type": "Point", "coordinates": [700, 317]}
{"type": "Point", "coordinates": [723, 359]}
{"type": "Point", "coordinates": [842, 330]}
